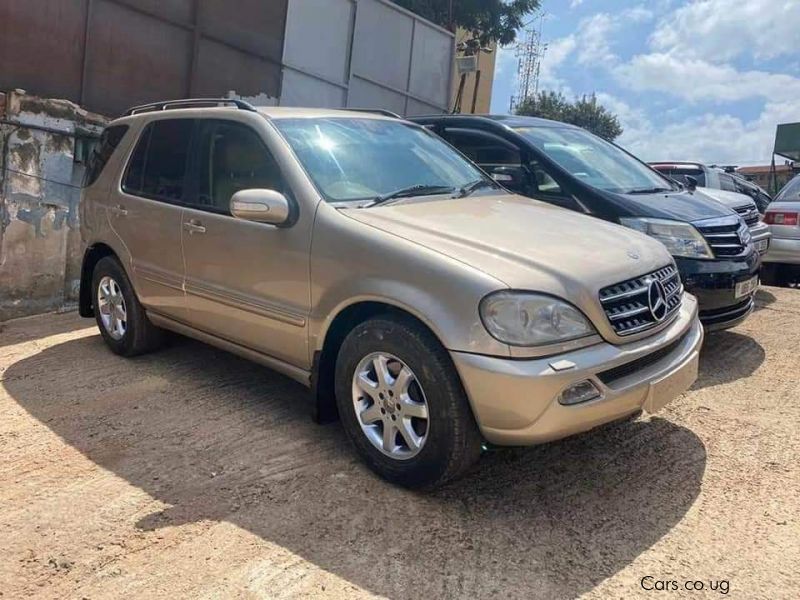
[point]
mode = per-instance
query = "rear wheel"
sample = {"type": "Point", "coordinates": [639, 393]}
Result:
{"type": "Point", "coordinates": [121, 318]}
{"type": "Point", "coordinates": [402, 403]}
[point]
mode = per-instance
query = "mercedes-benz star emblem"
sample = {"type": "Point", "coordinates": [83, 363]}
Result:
{"type": "Point", "coordinates": [657, 300]}
{"type": "Point", "coordinates": [633, 254]}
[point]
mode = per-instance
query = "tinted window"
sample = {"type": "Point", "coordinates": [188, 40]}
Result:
{"type": "Point", "coordinates": [231, 157]}
{"type": "Point", "coordinates": [726, 182]}
{"type": "Point", "coordinates": [594, 161]}
{"type": "Point", "coordinates": [681, 174]}
{"type": "Point", "coordinates": [109, 141]}
{"type": "Point", "coordinates": [359, 158]}
{"type": "Point", "coordinates": [482, 148]}
{"type": "Point", "coordinates": [157, 168]}
{"type": "Point", "coordinates": [790, 192]}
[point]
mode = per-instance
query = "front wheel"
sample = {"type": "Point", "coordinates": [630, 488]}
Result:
{"type": "Point", "coordinates": [402, 403]}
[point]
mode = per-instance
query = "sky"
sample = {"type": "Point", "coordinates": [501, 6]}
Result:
{"type": "Point", "coordinates": [704, 80]}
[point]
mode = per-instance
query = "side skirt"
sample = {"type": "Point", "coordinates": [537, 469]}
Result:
{"type": "Point", "coordinates": [300, 375]}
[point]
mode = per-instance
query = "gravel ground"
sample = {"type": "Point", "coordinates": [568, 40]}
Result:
{"type": "Point", "coordinates": [193, 473]}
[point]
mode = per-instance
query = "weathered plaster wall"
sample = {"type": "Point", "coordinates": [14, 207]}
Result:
{"type": "Point", "coordinates": [40, 247]}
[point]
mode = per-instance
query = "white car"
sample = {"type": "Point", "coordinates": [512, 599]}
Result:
{"type": "Point", "coordinates": [744, 205]}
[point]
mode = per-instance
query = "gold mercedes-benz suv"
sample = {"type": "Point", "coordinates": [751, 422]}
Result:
{"type": "Point", "coordinates": [362, 256]}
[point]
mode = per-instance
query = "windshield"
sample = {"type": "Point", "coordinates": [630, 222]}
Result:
{"type": "Point", "coordinates": [594, 161]}
{"type": "Point", "coordinates": [364, 159]}
{"type": "Point", "coordinates": [790, 192]}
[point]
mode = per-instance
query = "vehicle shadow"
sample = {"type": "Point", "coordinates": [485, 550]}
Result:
{"type": "Point", "coordinates": [219, 438]}
{"type": "Point", "coordinates": [727, 356]}
{"type": "Point", "coordinates": [764, 298]}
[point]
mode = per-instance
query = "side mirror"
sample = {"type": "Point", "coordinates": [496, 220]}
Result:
{"type": "Point", "coordinates": [260, 206]}
{"type": "Point", "coordinates": [511, 177]}
{"type": "Point", "coordinates": [692, 183]}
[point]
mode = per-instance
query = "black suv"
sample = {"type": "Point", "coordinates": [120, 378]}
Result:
{"type": "Point", "coordinates": [568, 166]}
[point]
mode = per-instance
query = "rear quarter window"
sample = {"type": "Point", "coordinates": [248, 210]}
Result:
{"type": "Point", "coordinates": [109, 140]}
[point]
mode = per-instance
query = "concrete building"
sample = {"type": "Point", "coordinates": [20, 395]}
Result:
{"type": "Point", "coordinates": [44, 145]}
{"type": "Point", "coordinates": [761, 175]}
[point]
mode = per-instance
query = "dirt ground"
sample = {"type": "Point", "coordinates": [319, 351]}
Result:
{"type": "Point", "coordinates": [191, 473]}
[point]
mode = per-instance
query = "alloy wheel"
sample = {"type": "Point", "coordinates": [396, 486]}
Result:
{"type": "Point", "coordinates": [111, 304]}
{"type": "Point", "coordinates": [390, 405]}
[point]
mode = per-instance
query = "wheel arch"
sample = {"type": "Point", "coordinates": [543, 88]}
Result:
{"type": "Point", "coordinates": [91, 257]}
{"type": "Point", "coordinates": [324, 361]}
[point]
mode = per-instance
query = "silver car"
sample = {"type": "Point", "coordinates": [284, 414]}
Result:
{"type": "Point", "coordinates": [782, 262]}
{"type": "Point", "coordinates": [365, 258]}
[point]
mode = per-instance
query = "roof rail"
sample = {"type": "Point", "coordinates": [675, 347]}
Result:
{"type": "Point", "coordinates": [188, 102]}
{"type": "Point", "coordinates": [377, 111]}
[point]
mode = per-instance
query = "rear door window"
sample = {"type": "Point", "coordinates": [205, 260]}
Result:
{"type": "Point", "coordinates": [726, 182]}
{"type": "Point", "coordinates": [109, 140]}
{"type": "Point", "coordinates": [157, 168]}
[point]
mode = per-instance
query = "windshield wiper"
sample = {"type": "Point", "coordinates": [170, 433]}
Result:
{"type": "Point", "coordinates": [466, 190]}
{"type": "Point", "coordinates": [412, 190]}
{"type": "Point", "coordinates": [653, 190]}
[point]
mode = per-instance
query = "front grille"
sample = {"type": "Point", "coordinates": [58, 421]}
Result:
{"type": "Point", "coordinates": [727, 237]}
{"type": "Point", "coordinates": [749, 213]}
{"type": "Point", "coordinates": [627, 304]}
{"type": "Point", "coordinates": [629, 368]}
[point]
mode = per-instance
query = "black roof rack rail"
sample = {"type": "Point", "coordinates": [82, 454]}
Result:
{"type": "Point", "coordinates": [377, 111]}
{"type": "Point", "coordinates": [188, 102]}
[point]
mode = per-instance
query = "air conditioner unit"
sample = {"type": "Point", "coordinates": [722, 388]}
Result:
{"type": "Point", "coordinates": [466, 64]}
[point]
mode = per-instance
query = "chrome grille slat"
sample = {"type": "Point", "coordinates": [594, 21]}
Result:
{"type": "Point", "coordinates": [720, 233]}
{"type": "Point", "coordinates": [626, 303]}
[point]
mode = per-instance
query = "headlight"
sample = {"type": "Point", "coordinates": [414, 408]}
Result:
{"type": "Point", "coordinates": [681, 239]}
{"type": "Point", "coordinates": [528, 319]}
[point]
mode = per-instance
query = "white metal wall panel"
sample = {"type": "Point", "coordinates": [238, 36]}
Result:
{"type": "Point", "coordinates": [304, 90]}
{"type": "Point", "coordinates": [365, 54]}
{"type": "Point", "coordinates": [382, 44]}
{"type": "Point", "coordinates": [318, 37]}
{"type": "Point", "coordinates": [430, 75]}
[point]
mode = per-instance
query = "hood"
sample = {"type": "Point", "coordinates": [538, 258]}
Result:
{"type": "Point", "coordinates": [680, 205]}
{"type": "Point", "coordinates": [524, 243]}
{"type": "Point", "coordinates": [730, 199]}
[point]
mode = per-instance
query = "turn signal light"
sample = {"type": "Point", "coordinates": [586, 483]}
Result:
{"type": "Point", "coordinates": [780, 218]}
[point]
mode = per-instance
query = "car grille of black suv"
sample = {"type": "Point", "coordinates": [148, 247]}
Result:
{"type": "Point", "coordinates": [633, 306]}
{"type": "Point", "coordinates": [727, 237]}
{"type": "Point", "coordinates": [749, 213]}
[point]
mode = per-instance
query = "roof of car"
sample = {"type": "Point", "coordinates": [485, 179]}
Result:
{"type": "Point", "coordinates": [508, 120]}
{"type": "Point", "coordinates": [270, 112]}
{"type": "Point", "coordinates": [675, 163]}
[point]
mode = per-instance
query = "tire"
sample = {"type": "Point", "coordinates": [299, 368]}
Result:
{"type": "Point", "coordinates": [450, 440]}
{"type": "Point", "coordinates": [138, 335]}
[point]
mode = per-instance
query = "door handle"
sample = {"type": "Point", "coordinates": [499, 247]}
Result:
{"type": "Point", "coordinates": [194, 226]}
{"type": "Point", "coordinates": [119, 210]}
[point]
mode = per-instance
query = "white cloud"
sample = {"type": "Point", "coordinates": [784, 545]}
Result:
{"type": "Point", "coordinates": [575, 3]}
{"type": "Point", "coordinates": [695, 79]}
{"type": "Point", "coordinates": [710, 137]}
{"type": "Point", "coordinates": [720, 30]}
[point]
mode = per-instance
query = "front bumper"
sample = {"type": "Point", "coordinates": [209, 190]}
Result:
{"type": "Point", "coordinates": [784, 250]}
{"type": "Point", "coordinates": [713, 282]}
{"type": "Point", "coordinates": [515, 401]}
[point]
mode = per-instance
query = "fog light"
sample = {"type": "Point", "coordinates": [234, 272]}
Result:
{"type": "Point", "coordinates": [583, 391]}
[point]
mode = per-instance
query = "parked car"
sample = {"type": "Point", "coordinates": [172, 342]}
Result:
{"type": "Point", "coordinates": [365, 258]}
{"type": "Point", "coordinates": [713, 178]}
{"type": "Point", "coordinates": [782, 262]}
{"type": "Point", "coordinates": [569, 167]}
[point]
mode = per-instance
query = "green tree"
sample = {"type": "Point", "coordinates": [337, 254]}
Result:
{"type": "Point", "coordinates": [486, 20]}
{"type": "Point", "coordinates": [584, 112]}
